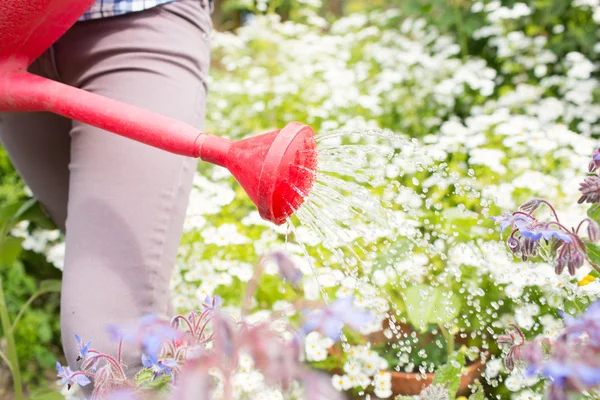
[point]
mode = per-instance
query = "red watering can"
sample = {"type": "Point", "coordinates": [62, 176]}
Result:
{"type": "Point", "coordinates": [276, 169]}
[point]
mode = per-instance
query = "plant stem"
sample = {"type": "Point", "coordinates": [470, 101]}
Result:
{"type": "Point", "coordinates": [449, 340]}
{"type": "Point", "coordinates": [460, 27]}
{"type": "Point", "coordinates": [22, 310]}
{"type": "Point", "coordinates": [10, 346]}
{"type": "Point", "coordinates": [6, 361]}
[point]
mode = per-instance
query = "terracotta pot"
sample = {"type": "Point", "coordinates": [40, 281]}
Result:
{"type": "Point", "coordinates": [411, 384]}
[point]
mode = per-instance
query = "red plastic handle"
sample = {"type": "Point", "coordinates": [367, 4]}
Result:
{"type": "Point", "coordinates": [21, 91]}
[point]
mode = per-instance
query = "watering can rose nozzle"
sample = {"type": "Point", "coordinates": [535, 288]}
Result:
{"type": "Point", "coordinates": [276, 169]}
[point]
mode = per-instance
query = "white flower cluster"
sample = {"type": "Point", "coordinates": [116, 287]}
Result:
{"type": "Point", "coordinates": [363, 369]}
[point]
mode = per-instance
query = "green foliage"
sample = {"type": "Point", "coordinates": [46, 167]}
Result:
{"type": "Point", "coordinates": [11, 186]}
{"type": "Point", "coordinates": [426, 305]}
{"type": "Point", "coordinates": [146, 379]}
{"type": "Point", "coordinates": [478, 394]}
{"type": "Point", "coordinates": [34, 321]}
{"type": "Point", "coordinates": [449, 374]}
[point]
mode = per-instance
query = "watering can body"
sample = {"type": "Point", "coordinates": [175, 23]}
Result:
{"type": "Point", "coordinates": [276, 169]}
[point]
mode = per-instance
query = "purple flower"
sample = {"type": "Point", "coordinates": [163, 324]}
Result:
{"type": "Point", "coordinates": [519, 221]}
{"type": "Point", "coordinates": [212, 303]}
{"type": "Point", "coordinates": [332, 319]}
{"type": "Point", "coordinates": [83, 349]}
{"type": "Point", "coordinates": [538, 232]}
{"type": "Point", "coordinates": [588, 322]}
{"type": "Point", "coordinates": [287, 268]}
{"type": "Point", "coordinates": [595, 162]}
{"type": "Point", "coordinates": [590, 190]}
{"type": "Point", "coordinates": [149, 333]}
{"type": "Point", "coordinates": [573, 366]}
{"type": "Point", "coordinates": [70, 378]}
{"type": "Point", "coordinates": [158, 367]}
{"type": "Point", "coordinates": [561, 373]}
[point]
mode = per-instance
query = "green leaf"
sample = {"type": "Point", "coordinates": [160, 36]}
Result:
{"type": "Point", "coordinates": [478, 394]}
{"type": "Point", "coordinates": [145, 379]}
{"type": "Point", "coordinates": [51, 285]}
{"type": "Point", "coordinates": [47, 396]}
{"type": "Point", "coordinates": [593, 251]}
{"type": "Point", "coordinates": [10, 249]}
{"type": "Point", "coordinates": [430, 305]}
{"type": "Point", "coordinates": [450, 373]}
{"type": "Point", "coordinates": [594, 212]}
{"type": "Point", "coordinates": [32, 211]}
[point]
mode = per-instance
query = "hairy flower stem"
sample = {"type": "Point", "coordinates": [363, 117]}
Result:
{"type": "Point", "coordinates": [551, 208]}
{"type": "Point", "coordinates": [187, 322]}
{"type": "Point", "coordinates": [10, 346]}
{"type": "Point", "coordinates": [111, 360]}
{"type": "Point", "coordinates": [119, 352]}
{"type": "Point", "coordinates": [227, 389]}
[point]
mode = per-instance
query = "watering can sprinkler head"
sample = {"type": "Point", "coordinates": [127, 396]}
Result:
{"type": "Point", "coordinates": [276, 169]}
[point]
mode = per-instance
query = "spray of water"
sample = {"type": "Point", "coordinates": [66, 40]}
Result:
{"type": "Point", "coordinates": [356, 210]}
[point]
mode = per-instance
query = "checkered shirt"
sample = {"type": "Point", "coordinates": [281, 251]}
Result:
{"type": "Point", "coordinates": [110, 8]}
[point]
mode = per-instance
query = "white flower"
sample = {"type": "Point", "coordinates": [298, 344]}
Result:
{"type": "Point", "coordinates": [224, 235]}
{"type": "Point", "coordinates": [341, 382]}
{"type": "Point", "coordinates": [493, 368]}
{"type": "Point", "coordinates": [513, 383]}
{"type": "Point", "coordinates": [316, 346]}
{"type": "Point", "coordinates": [56, 255]}
{"type": "Point", "coordinates": [383, 393]}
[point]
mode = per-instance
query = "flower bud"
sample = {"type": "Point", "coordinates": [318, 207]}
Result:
{"type": "Point", "coordinates": [513, 244]}
{"type": "Point", "coordinates": [561, 262]}
{"type": "Point", "coordinates": [575, 261]}
{"type": "Point", "coordinates": [531, 205]}
{"type": "Point", "coordinates": [590, 190]}
{"type": "Point", "coordinates": [593, 231]}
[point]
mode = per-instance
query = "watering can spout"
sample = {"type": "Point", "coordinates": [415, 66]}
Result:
{"type": "Point", "coordinates": [276, 169]}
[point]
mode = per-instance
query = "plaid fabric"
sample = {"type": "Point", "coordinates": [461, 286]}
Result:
{"type": "Point", "coordinates": [110, 8]}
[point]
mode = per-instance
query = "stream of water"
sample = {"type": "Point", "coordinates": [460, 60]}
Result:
{"type": "Point", "coordinates": [362, 203]}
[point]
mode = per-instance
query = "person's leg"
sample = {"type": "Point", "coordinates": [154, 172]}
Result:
{"type": "Point", "coordinates": [127, 200]}
{"type": "Point", "coordinates": [38, 144]}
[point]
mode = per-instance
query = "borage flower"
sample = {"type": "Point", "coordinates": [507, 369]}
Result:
{"type": "Point", "coordinates": [572, 366]}
{"type": "Point", "coordinates": [158, 367]}
{"type": "Point", "coordinates": [149, 333]}
{"type": "Point", "coordinates": [516, 220]}
{"type": "Point", "coordinates": [588, 323]}
{"type": "Point", "coordinates": [332, 319]}
{"type": "Point", "coordinates": [83, 349]}
{"type": "Point", "coordinates": [287, 267]}
{"type": "Point", "coordinates": [595, 161]}
{"type": "Point", "coordinates": [71, 378]}
{"type": "Point", "coordinates": [566, 246]}
{"type": "Point", "coordinates": [212, 303]}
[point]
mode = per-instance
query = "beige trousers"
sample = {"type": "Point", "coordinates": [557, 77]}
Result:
{"type": "Point", "coordinates": [121, 203]}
